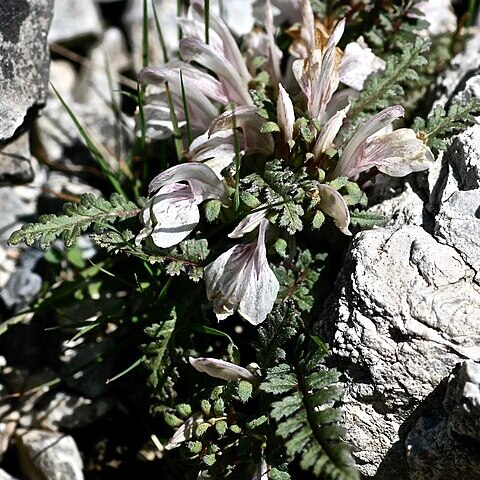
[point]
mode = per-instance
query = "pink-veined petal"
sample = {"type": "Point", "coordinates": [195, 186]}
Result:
{"type": "Point", "coordinates": [333, 204]}
{"type": "Point", "coordinates": [346, 165]}
{"type": "Point", "coordinates": [275, 54]}
{"type": "Point", "coordinates": [216, 151]}
{"type": "Point", "coordinates": [236, 88]}
{"type": "Point", "coordinates": [246, 118]}
{"type": "Point", "coordinates": [185, 432]}
{"type": "Point", "coordinates": [261, 284]}
{"type": "Point", "coordinates": [285, 113]}
{"type": "Point", "coordinates": [241, 279]}
{"type": "Point", "coordinates": [230, 47]}
{"type": "Point", "coordinates": [221, 369]}
{"type": "Point", "coordinates": [398, 153]}
{"type": "Point", "coordinates": [248, 224]}
{"type": "Point", "coordinates": [170, 216]}
{"type": "Point", "coordinates": [201, 178]}
{"type": "Point", "coordinates": [329, 132]}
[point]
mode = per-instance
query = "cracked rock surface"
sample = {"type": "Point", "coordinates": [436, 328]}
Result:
{"type": "Point", "coordinates": [24, 66]}
{"type": "Point", "coordinates": [404, 314]}
{"type": "Point", "coordinates": [445, 440]}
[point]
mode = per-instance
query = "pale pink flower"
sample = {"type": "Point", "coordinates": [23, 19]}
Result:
{"type": "Point", "coordinates": [248, 224]}
{"type": "Point", "coordinates": [242, 280]}
{"type": "Point", "coordinates": [185, 432]}
{"type": "Point", "coordinates": [285, 113]}
{"type": "Point", "coordinates": [333, 204]}
{"type": "Point", "coordinates": [318, 75]}
{"type": "Point", "coordinates": [247, 119]}
{"type": "Point", "coordinates": [397, 153]}
{"type": "Point", "coordinates": [221, 369]}
{"type": "Point", "coordinates": [172, 213]}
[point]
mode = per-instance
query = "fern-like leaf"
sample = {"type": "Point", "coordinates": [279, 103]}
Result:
{"type": "Point", "coordinates": [440, 123]}
{"type": "Point", "coordinates": [383, 89]}
{"type": "Point", "coordinates": [76, 219]}
{"type": "Point", "coordinates": [306, 418]}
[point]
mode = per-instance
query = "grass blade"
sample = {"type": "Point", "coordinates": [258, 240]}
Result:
{"type": "Point", "coordinates": [236, 147]}
{"type": "Point", "coordinates": [185, 109]}
{"type": "Point", "coordinates": [177, 134]}
{"type": "Point", "coordinates": [207, 21]}
{"type": "Point", "coordinates": [145, 35]}
{"type": "Point", "coordinates": [160, 33]}
{"type": "Point", "coordinates": [128, 369]}
{"type": "Point", "coordinates": [92, 147]}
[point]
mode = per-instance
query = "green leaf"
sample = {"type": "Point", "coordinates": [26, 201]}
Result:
{"type": "Point", "coordinates": [269, 127]}
{"type": "Point", "coordinates": [76, 219]}
{"type": "Point", "coordinates": [156, 351]}
{"type": "Point", "coordinates": [245, 390]}
{"type": "Point", "coordinates": [367, 220]}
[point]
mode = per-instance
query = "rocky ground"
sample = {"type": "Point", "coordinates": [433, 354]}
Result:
{"type": "Point", "coordinates": [402, 322]}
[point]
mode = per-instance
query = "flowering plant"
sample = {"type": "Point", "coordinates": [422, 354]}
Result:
{"type": "Point", "coordinates": [258, 161]}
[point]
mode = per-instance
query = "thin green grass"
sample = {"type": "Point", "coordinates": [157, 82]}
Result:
{"type": "Point", "coordinates": [186, 110]}
{"type": "Point", "coordinates": [177, 134]}
{"type": "Point", "coordinates": [95, 152]}
{"type": "Point", "coordinates": [161, 38]}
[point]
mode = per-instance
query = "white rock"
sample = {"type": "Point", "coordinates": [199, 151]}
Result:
{"type": "Point", "coordinates": [52, 456]}
{"type": "Point", "coordinates": [74, 22]}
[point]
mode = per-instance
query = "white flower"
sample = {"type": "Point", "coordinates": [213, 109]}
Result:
{"type": "Point", "coordinates": [241, 279]}
{"type": "Point", "coordinates": [172, 213]}
{"type": "Point", "coordinates": [221, 369]}
{"type": "Point", "coordinates": [329, 132]}
{"type": "Point", "coordinates": [397, 153]}
{"type": "Point", "coordinates": [285, 113]}
{"type": "Point", "coordinates": [248, 224]}
{"type": "Point", "coordinates": [318, 75]}
{"type": "Point", "coordinates": [216, 150]}
{"type": "Point", "coordinates": [249, 121]}
{"type": "Point", "coordinates": [184, 432]}
{"type": "Point", "coordinates": [334, 205]}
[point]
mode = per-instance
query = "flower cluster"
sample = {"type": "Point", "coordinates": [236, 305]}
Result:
{"type": "Point", "coordinates": [250, 110]}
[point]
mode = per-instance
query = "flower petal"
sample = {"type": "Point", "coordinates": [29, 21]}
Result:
{"type": "Point", "coordinates": [285, 113]}
{"type": "Point", "coordinates": [201, 178]}
{"type": "Point", "coordinates": [195, 50]}
{"type": "Point", "coordinates": [334, 205]}
{"type": "Point", "coordinates": [246, 118]}
{"type": "Point", "coordinates": [274, 53]}
{"type": "Point", "coordinates": [329, 132]}
{"type": "Point", "coordinates": [224, 279]}
{"type": "Point", "coordinates": [230, 47]}
{"type": "Point", "coordinates": [261, 284]}
{"type": "Point", "coordinates": [346, 165]}
{"type": "Point", "coordinates": [248, 224]}
{"type": "Point", "coordinates": [242, 279]}
{"type": "Point", "coordinates": [216, 151]}
{"type": "Point", "coordinates": [170, 216]}
{"type": "Point", "coordinates": [221, 369]}
{"type": "Point", "coordinates": [184, 432]}
{"type": "Point", "coordinates": [398, 153]}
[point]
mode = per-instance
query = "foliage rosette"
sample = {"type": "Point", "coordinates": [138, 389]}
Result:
{"type": "Point", "coordinates": [229, 255]}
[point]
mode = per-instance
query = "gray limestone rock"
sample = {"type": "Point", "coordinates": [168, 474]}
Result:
{"type": "Point", "coordinates": [24, 66]}
{"type": "Point", "coordinates": [48, 455]}
{"type": "Point", "coordinates": [458, 225]}
{"type": "Point", "coordinates": [404, 312]}
{"type": "Point", "coordinates": [445, 441]}
{"type": "Point", "coordinates": [75, 22]}
{"type": "Point", "coordinates": [108, 58]}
